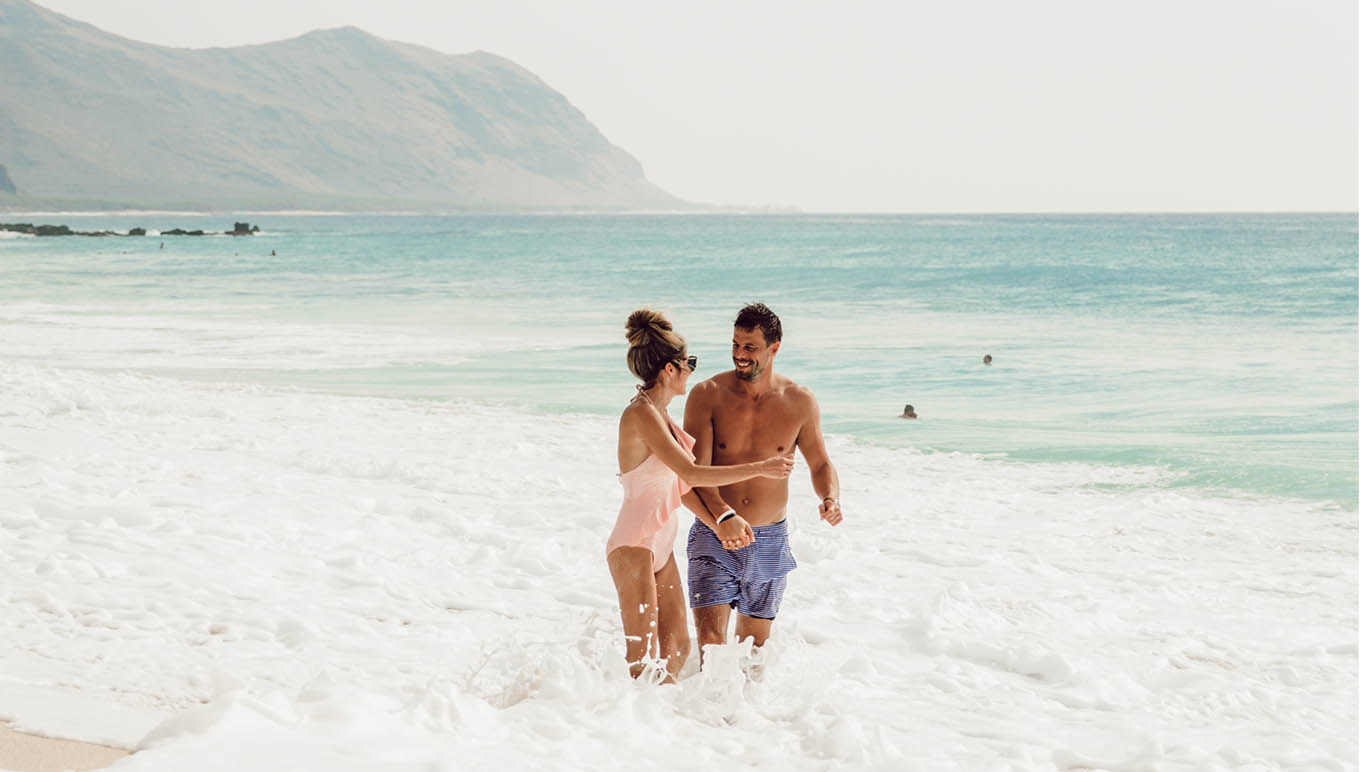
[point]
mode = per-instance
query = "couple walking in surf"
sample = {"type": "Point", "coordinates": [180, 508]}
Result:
{"type": "Point", "coordinates": [729, 465]}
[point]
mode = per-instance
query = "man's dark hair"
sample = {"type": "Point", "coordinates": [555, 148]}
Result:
{"type": "Point", "coordinates": [756, 315]}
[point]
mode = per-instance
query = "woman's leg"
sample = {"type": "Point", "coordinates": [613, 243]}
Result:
{"type": "Point", "coordinates": [672, 626]}
{"type": "Point", "coordinates": [631, 568]}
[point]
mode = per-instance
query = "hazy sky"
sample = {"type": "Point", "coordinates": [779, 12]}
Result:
{"type": "Point", "coordinates": [1047, 105]}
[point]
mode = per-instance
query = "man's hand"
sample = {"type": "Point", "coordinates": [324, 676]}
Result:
{"type": "Point", "coordinates": [831, 510]}
{"type": "Point", "coordinates": [735, 533]}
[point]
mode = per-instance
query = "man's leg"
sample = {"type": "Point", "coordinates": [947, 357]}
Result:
{"type": "Point", "coordinates": [711, 624]}
{"type": "Point", "coordinates": [712, 586]}
{"type": "Point", "coordinates": [753, 627]}
{"type": "Point", "coordinates": [757, 607]}
{"type": "Point", "coordinates": [758, 630]}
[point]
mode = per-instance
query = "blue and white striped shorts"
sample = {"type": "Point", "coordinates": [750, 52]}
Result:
{"type": "Point", "coordinates": [752, 578]}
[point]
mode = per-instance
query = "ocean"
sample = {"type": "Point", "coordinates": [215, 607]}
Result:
{"type": "Point", "coordinates": [335, 496]}
{"type": "Point", "coordinates": [1217, 350]}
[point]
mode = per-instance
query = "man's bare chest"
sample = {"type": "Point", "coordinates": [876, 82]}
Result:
{"type": "Point", "coordinates": [754, 429]}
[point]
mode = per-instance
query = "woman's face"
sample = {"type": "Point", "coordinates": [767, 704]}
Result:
{"type": "Point", "coordinates": [684, 365]}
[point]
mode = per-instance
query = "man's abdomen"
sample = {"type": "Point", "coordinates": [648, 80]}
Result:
{"type": "Point", "coordinates": [760, 500]}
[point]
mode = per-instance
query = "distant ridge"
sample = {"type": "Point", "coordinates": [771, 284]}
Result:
{"type": "Point", "coordinates": [332, 119]}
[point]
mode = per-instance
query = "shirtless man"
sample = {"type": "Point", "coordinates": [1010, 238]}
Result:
{"type": "Point", "coordinates": [747, 414]}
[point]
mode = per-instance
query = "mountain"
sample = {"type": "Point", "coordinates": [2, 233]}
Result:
{"type": "Point", "coordinates": [335, 118]}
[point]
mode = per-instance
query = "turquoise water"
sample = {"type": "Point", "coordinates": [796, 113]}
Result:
{"type": "Point", "coordinates": [1218, 349]}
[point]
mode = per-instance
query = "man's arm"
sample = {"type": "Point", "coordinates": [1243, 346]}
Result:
{"type": "Point", "coordinates": [824, 478]}
{"type": "Point", "coordinates": [696, 505]}
{"type": "Point", "coordinates": [734, 532]}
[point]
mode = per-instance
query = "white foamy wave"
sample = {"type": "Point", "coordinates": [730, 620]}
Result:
{"type": "Point", "coordinates": [193, 339]}
{"type": "Point", "coordinates": [274, 579]}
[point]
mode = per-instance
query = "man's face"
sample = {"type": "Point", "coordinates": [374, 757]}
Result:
{"type": "Point", "coordinates": [750, 355]}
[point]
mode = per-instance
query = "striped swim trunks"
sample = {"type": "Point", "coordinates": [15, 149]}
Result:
{"type": "Point", "coordinates": [752, 578]}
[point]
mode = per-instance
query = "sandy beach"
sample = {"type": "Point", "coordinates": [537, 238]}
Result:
{"type": "Point", "coordinates": [21, 752]}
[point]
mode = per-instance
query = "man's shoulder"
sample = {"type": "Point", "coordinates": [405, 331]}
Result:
{"type": "Point", "coordinates": [795, 392]}
{"type": "Point", "coordinates": [799, 400]}
{"type": "Point", "coordinates": [712, 386]}
{"type": "Point", "coordinates": [705, 392]}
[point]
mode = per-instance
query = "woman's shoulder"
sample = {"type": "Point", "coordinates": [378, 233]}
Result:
{"type": "Point", "coordinates": [636, 411]}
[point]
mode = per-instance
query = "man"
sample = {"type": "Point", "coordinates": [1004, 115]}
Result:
{"type": "Point", "coordinates": [746, 414]}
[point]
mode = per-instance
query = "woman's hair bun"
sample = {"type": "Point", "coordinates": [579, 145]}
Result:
{"type": "Point", "coordinates": [652, 344]}
{"type": "Point", "coordinates": [645, 326]}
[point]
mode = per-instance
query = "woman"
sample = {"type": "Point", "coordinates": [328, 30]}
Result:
{"type": "Point", "coordinates": [656, 467]}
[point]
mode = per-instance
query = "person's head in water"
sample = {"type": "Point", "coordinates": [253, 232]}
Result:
{"type": "Point", "coordinates": [987, 359]}
{"type": "Point", "coordinates": [755, 340]}
{"type": "Point", "coordinates": [908, 412]}
{"type": "Point", "coordinates": [654, 349]}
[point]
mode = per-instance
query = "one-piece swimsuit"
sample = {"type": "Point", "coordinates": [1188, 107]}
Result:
{"type": "Point", "coordinates": [651, 494]}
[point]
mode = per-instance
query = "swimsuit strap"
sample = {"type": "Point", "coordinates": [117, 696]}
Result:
{"type": "Point", "coordinates": [670, 424]}
{"type": "Point", "coordinates": [643, 393]}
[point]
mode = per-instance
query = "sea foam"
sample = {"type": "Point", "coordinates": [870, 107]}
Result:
{"type": "Point", "coordinates": [274, 579]}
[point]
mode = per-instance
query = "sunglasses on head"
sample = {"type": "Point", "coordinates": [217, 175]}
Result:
{"type": "Point", "coordinates": [690, 361]}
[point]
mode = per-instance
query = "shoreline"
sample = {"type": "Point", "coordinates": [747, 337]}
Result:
{"type": "Point", "coordinates": [1147, 472]}
{"type": "Point", "coordinates": [25, 752]}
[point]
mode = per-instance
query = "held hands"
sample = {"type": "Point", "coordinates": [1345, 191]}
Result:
{"type": "Point", "coordinates": [777, 467]}
{"type": "Point", "coordinates": [735, 533]}
{"type": "Point", "coordinates": [831, 510]}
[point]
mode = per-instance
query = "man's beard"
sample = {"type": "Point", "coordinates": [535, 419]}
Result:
{"type": "Point", "coordinates": [751, 373]}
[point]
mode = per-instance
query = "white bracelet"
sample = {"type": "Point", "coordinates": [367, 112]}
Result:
{"type": "Point", "coordinates": [724, 516]}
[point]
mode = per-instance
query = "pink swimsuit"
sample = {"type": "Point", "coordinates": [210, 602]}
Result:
{"type": "Point", "coordinates": [651, 494]}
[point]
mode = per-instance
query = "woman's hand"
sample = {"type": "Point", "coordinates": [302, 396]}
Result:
{"type": "Point", "coordinates": [778, 467]}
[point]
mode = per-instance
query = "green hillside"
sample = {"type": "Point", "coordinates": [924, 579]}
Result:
{"type": "Point", "coordinates": [334, 119]}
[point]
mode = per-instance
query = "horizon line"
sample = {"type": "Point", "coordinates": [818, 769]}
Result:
{"type": "Point", "coordinates": [755, 210]}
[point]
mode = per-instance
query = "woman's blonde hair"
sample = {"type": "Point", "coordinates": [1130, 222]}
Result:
{"type": "Point", "coordinates": [652, 344]}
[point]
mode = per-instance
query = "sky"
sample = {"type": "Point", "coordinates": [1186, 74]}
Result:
{"type": "Point", "coordinates": [969, 106]}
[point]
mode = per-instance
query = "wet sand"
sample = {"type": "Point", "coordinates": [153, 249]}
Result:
{"type": "Point", "coordinates": [20, 752]}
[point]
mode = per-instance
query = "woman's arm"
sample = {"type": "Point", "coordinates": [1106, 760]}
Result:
{"type": "Point", "coordinates": [656, 435]}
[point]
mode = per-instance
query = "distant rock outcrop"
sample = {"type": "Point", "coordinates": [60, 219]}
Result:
{"type": "Point", "coordinates": [240, 229]}
{"type": "Point", "coordinates": [332, 119]}
{"type": "Point", "coordinates": [6, 184]}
